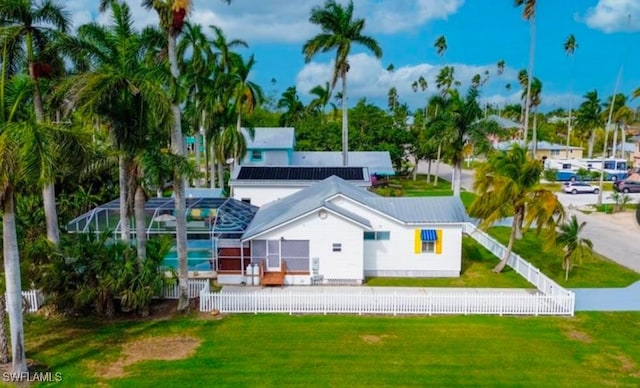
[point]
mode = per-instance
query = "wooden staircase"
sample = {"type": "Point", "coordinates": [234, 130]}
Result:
{"type": "Point", "coordinates": [272, 278]}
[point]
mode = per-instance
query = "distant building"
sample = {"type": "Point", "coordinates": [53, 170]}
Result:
{"type": "Point", "coordinates": [547, 150]}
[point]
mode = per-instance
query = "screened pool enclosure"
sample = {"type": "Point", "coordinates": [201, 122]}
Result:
{"type": "Point", "coordinates": [214, 229]}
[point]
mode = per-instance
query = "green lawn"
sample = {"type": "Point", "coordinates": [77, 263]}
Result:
{"type": "Point", "coordinates": [595, 272]}
{"type": "Point", "coordinates": [477, 263]}
{"type": "Point", "coordinates": [589, 350]}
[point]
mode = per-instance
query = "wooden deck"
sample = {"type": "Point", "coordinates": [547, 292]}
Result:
{"type": "Point", "coordinates": [272, 278]}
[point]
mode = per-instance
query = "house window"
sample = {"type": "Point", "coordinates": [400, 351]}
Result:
{"type": "Point", "coordinates": [428, 247]}
{"type": "Point", "coordinates": [555, 152]}
{"type": "Point", "coordinates": [337, 247]}
{"type": "Point", "coordinates": [377, 235]}
{"type": "Point", "coordinates": [246, 200]}
{"type": "Point", "coordinates": [256, 155]}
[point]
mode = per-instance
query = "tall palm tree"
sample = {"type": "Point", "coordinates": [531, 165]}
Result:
{"type": "Point", "coordinates": [574, 245]}
{"type": "Point", "coordinates": [460, 124]}
{"type": "Point", "coordinates": [122, 90]}
{"type": "Point", "coordinates": [529, 14]}
{"type": "Point", "coordinates": [440, 45]}
{"type": "Point", "coordinates": [247, 95]}
{"type": "Point", "coordinates": [588, 117]}
{"type": "Point", "coordinates": [507, 186]}
{"type": "Point", "coordinates": [339, 32]}
{"type": "Point", "coordinates": [622, 115]}
{"type": "Point", "coordinates": [570, 46]}
{"type": "Point", "coordinates": [32, 24]}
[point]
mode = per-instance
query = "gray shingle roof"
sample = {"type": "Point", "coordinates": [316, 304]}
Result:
{"type": "Point", "coordinates": [378, 162]}
{"type": "Point", "coordinates": [270, 138]}
{"type": "Point", "coordinates": [416, 210]}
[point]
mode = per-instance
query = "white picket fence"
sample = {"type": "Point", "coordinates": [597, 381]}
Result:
{"type": "Point", "coordinates": [32, 300]}
{"type": "Point", "coordinates": [172, 291]}
{"type": "Point", "coordinates": [551, 298]}
{"type": "Point", "coordinates": [532, 274]}
{"type": "Point", "coordinates": [427, 302]}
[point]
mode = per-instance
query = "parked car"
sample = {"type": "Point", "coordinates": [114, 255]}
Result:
{"type": "Point", "coordinates": [627, 186]}
{"type": "Point", "coordinates": [579, 187]}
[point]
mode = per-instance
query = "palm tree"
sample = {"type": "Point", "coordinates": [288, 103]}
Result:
{"type": "Point", "coordinates": [339, 32]}
{"type": "Point", "coordinates": [31, 23]}
{"type": "Point", "coordinates": [622, 115]}
{"type": "Point", "coordinates": [322, 99]}
{"type": "Point", "coordinates": [247, 95]}
{"type": "Point", "coordinates": [507, 185]}
{"type": "Point", "coordinates": [574, 245]}
{"type": "Point", "coordinates": [500, 65]}
{"type": "Point", "coordinates": [535, 100]}
{"type": "Point", "coordinates": [529, 14]}
{"type": "Point", "coordinates": [570, 47]}
{"type": "Point", "coordinates": [446, 79]}
{"type": "Point", "coordinates": [440, 45]}
{"type": "Point", "coordinates": [588, 117]}
{"type": "Point", "coordinates": [292, 106]}
{"type": "Point", "coordinates": [460, 124]}
{"type": "Point", "coordinates": [122, 90]}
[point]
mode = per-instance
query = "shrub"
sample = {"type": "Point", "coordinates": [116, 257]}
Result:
{"type": "Point", "coordinates": [550, 175]}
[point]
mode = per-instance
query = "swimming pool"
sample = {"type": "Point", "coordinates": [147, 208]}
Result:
{"type": "Point", "coordinates": [197, 260]}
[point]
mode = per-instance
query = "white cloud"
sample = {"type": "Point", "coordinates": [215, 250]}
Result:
{"type": "Point", "coordinates": [614, 15]}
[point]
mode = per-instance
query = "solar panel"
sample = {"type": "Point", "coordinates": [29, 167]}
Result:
{"type": "Point", "coordinates": [300, 173]}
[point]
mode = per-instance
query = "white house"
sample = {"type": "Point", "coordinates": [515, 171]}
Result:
{"type": "Point", "coordinates": [259, 185]}
{"type": "Point", "coordinates": [336, 232]}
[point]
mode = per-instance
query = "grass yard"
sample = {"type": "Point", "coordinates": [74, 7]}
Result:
{"type": "Point", "coordinates": [589, 350]}
{"type": "Point", "coordinates": [477, 263]}
{"type": "Point", "coordinates": [595, 272]}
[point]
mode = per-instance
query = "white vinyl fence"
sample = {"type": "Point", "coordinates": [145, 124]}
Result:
{"type": "Point", "coordinates": [409, 302]}
{"type": "Point", "coordinates": [32, 300]}
{"type": "Point", "coordinates": [550, 298]}
{"type": "Point", "coordinates": [172, 290]}
{"type": "Point", "coordinates": [532, 274]}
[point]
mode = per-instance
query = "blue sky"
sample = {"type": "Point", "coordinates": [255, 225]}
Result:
{"type": "Point", "coordinates": [478, 32]}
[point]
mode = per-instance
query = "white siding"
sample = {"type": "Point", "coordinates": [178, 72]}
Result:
{"type": "Point", "coordinates": [263, 194]}
{"type": "Point", "coordinates": [396, 257]}
{"type": "Point", "coordinates": [322, 234]}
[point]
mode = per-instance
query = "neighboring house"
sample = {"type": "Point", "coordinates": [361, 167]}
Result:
{"type": "Point", "coordinates": [259, 185]}
{"type": "Point", "coordinates": [636, 151]}
{"type": "Point", "coordinates": [626, 151]}
{"type": "Point", "coordinates": [276, 147]}
{"type": "Point", "coordinates": [269, 146]}
{"type": "Point", "coordinates": [547, 150]}
{"type": "Point", "coordinates": [335, 232]}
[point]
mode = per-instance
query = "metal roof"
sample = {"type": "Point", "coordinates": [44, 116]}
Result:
{"type": "Point", "coordinates": [542, 145]}
{"type": "Point", "coordinates": [504, 123]}
{"type": "Point", "coordinates": [378, 162]}
{"type": "Point", "coordinates": [270, 138]}
{"type": "Point", "coordinates": [416, 210]}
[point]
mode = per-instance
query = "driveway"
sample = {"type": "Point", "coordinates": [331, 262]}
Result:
{"type": "Point", "coordinates": [614, 236]}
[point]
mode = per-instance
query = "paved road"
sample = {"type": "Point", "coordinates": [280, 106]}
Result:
{"type": "Point", "coordinates": [614, 236]}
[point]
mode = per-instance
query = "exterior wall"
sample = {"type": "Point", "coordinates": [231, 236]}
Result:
{"type": "Point", "coordinates": [573, 154]}
{"type": "Point", "coordinates": [322, 234]}
{"type": "Point", "coordinates": [396, 256]}
{"type": "Point", "coordinates": [636, 155]}
{"type": "Point", "coordinates": [262, 195]}
{"type": "Point", "coordinates": [269, 158]}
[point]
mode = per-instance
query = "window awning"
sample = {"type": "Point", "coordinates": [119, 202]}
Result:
{"type": "Point", "coordinates": [428, 235]}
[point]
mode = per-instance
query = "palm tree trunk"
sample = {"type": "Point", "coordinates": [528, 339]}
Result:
{"type": "Point", "coordinates": [512, 237]}
{"type": "Point", "coordinates": [623, 142]}
{"type": "Point", "coordinates": [615, 141]}
{"type": "Point", "coordinates": [457, 174]}
{"type": "Point", "coordinates": [566, 264]}
{"type": "Point", "coordinates": [534, 141]}
{"type": "Point", "coordinates": [220, 175]}
{"type": "Point", "coordinates": [437, 174]}
{"type": "Point", "coordinates": [13, 283]}
{"type": "Point", "coordinates": [236, 157]}
{"type": "Point", "coordinates": [141, 230]}
{"type": "Point", "coordinates": [415, 169]}
{"type": "Point", "coordinates": [49, 190]}
{"type": "Point", "coordinates": [592, 140]}
{"type": "Point", "coordinates": [212, 157]}
{"type": "Point", "coordinates": [4, 340]}
{"type": "Point", "coordinates": [532, 48]}
{"type": "Point", "coordinates": [179, 184]}
{"type": "Point", "coordinates": [197, 145]}
{"type": "Point", "coordinates": [429, 170]}
{"type": "Point", "coordinates": [125, 228]}
{"type": "Point", "coordinates": [345, 123]}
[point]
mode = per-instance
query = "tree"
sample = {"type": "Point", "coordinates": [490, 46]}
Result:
{"type": "Point", "coordinates": [588, 117]}
{"type": "Point", "coordinates": [33, 24]}
{"type": "Point", "coordinates": [440, 45]}
{"type": "Point", "coordinates": [292, 106]}
{"type": "Point", "coordinates": [570, 46]}
{"type": "Point", "coordinates": [459, 124]}
{"type": "Point", "coordinates": [322, 99]}
{"type": "Point", "coordinates": [528, 14]}
{"type": "Point", "coordinates": [573, 244]}
{"type": "Point", "coordinates": [507, 186]}
{"type": "Point", "coordinates": [339, 32]}
{"type": "Point", "coordinates": [123, 90]}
